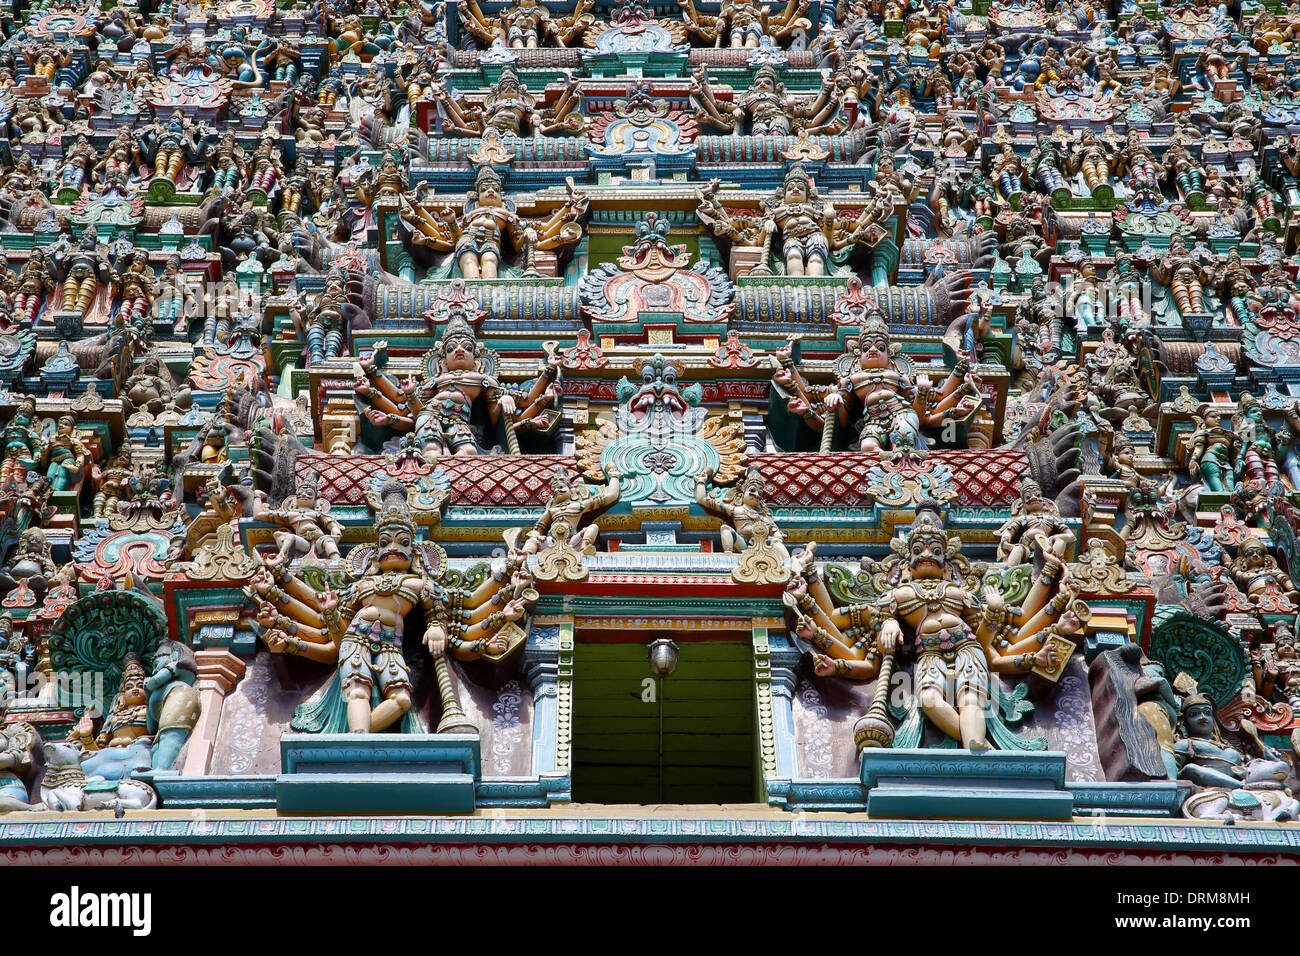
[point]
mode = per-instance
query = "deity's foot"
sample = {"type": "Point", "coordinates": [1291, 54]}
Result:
{"type": "Point", "coordinates": [978, 746]}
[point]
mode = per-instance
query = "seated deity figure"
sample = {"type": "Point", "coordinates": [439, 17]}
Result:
{"type": "Point", "coordinates": [459, 403]}
{"type": "Point", "coordinates": [24, 448]}
{"type": "Point", "coordinates": [476, 235]}
{"type": "Point", "coordinates": [571, 502]}
{"type": "Point", "coordinates": [748, 522]}
{"type": "Point", "coordinates": [309, 530]}
{"type": "Point", "coordinates": [20, 745]}
{"type": "Point", "coordinates": [876, 399]}
{"type": "Point", "coordinates": [929, 601]}
{"type": "Point", "coordinates": [360, 631]}
{"type": "Point", "coordinates": [1035, 529]}
{"type": "Point", "coordinates": [1234, 784]}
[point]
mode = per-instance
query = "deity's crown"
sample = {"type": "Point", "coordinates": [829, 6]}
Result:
{"type": "Point", "coordinates": [928, 524]}
{"type": "Point", "coordinates": [798, 174]}
{"type": "Point", "coordinates": [1186, 685]}
{"type": "Point", "coordinates": [874, 324]}
{"type": "Point", "coordinates": [393, 513]}
{"type": "Point", "coordinates": [486, 174]}
{"type": "Point", "coordinates": [458, 325]}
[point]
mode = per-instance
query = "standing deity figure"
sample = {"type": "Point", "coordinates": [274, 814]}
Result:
{"type": "Point", "coordinates": [743, 24]}
{"type": "Point", "coordinates": [172, 705]}
{"type": "Point", "coordinates": [459, 402]}
{"type": "Point", "coordinates": [526, 24]}
{"type": "Point", "coordinates": [1184, 276]}
{"type": "Point", "coordinates": [123, 155]}
{"type": "Point", "coordinates": [309, 528]}
{"type": "Point", "coordinates": [927, 600]}
{"type": "Point", "coordinates": [67, 455]}
{"type": "Point", "coordinates": [1034, 530]}
{"type": "Point", "coordinates": [805, 224]}
{"type": "Point", "coordinates": [325, 322]}
{"type": "Point", "coordinates": [361, 631]}
{"type": "Point", "coordinates": [266, 167]}
{"type": "Point", "coordinates": [475, 237]}
{"type": "Point", "coordinates": [83, 269]}
{"type": "Point", "coordinates": [228, 164]}
{"type": "Point", "coordinates": [1236, 288]}
{"type": "Point", "coordinates": [1009, 174]}
{"type": "Point", "coordinates": [78, 161]}
{"type": "Point", "coordinates": [1046, 163]}
{"type": "Point", "coordinates": [1209, 452]}
{"type": "Point", "coordinates": [139, 289]}
{"type": "Point", "coordinates": [571, 502]}
{"type": "Point", "coordinates": [1092, 158]}
{"type": "Point", "coordinates": [24, 449]}
{"type": "Point", "coordinates": [1257, 442]}
{"type": "Point", "coordinates": [876, 398]}
{"type": "Point", "coordinates": [748, 522]}
{"type": "Point", "coordinates": [1139, 164]}
{"type": "Point", "coordinates": [170, 146]}
{"type": "Point", "coordinates": [303, 185]}
{"type": "Point", "coordinates": [35, 282]}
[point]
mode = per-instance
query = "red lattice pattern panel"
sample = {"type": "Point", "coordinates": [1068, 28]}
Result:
{"type": "Point", "coordinates": [984, 478]}
{"type": "Point", "coordinates": [475, 480]}
{"type": "Point", "coordinates": [989, 478]}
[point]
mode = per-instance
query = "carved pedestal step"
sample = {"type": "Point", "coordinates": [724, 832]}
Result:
{"type": "Point", "coordinates": [377, 773]}
{"type": "Point", "coordinates": [956, 784]}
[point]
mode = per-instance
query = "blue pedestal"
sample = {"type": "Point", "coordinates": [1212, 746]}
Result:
{"type": "Point", "coordinates": [377, 773]}
{"type": "Point", "coordinates": [958, 784]}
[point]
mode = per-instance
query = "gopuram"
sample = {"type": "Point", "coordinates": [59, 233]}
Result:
{"type": "Point", "coordinates": [469, 425]}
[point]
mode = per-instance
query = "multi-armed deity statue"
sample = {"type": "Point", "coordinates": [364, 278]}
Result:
{"type": "Point", "coordinates": [360, 632]}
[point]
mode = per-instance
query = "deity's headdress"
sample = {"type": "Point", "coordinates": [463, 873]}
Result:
{"type": "Point", "coordinates": [874, 324]}
{"type": "Point", "coordinates": [393, 513]}
{"type": "Point", "coordinates": [928, 524]}
{"type": "Point", "coordinates": [798, 174]}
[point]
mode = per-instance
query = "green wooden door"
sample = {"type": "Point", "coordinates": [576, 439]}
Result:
{"type": "Point", "coordinates": [707, 725]}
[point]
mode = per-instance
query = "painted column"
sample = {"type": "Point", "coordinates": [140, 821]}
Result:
{"type": "Point", "coordinates": [219, 672]}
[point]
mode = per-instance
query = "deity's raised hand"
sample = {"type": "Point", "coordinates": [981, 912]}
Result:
{"type": "Point", "coordinates": [994, 599]}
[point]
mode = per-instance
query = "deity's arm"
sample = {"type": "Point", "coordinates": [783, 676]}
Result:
{"type": "Point", "coordinates": [543, 392]}
{"type": "Point", "coordinates": [566, 29]}
{"type": "Point", "coordinates": [785, 22]}
{"type": "Point", "coordinates": [711, 111]}
{"type": "Point", "coordinates": [289, 594]}
{"type": "Point", "coordinates": [706, 27]}
{"type": "Point", "coordinates": [383, 391]}
{"type": "Point", "coordinates": [1018, 663]}
{"type": "Point", "coordinates": [608, 496]}
{"type": "Point", "coordinates": [561, 228]}
{"type": "Point", "coordinates": [710, 502]}
{"type": "Point", "coordinates": [1032, 624]}
{"type": "Point", "coordinates": [476, 21]}
{"type": "Point", "coordinates": [302, 644]}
